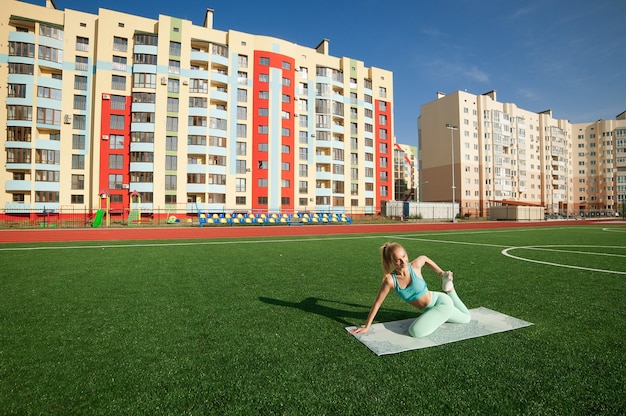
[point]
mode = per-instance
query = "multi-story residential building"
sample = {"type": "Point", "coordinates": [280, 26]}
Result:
{"type": "Point", "coordinates": [599, 168]}
{"type": "Point", "coordinates": [185, 116]}
{"type": "Point", "coordinates": [478, 152]}
{"type": "Point", "coordinates": [405, 172]}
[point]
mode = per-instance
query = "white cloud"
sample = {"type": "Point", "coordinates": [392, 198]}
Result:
{"type": "Point", "coordinates": [477, 75]}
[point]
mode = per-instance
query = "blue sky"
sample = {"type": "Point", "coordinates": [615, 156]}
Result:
{"type": "Point", "coordinates": [564, 55]}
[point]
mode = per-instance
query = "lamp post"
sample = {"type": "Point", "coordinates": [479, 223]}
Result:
{"type": "Point", "coordinates": [452, 128]}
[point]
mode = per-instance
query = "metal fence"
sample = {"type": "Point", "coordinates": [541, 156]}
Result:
{"type": "Point", "coordinates": [75, 217]}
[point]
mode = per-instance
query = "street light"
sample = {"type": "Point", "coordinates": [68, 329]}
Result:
{"type": "Point", "coordinates": [452, 128]}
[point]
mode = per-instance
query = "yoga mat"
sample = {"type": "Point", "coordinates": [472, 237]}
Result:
{"type": "Point", "coordinates": [393, 337]}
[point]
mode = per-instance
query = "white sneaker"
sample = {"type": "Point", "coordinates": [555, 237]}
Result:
{"type": "Point", "coordinates": [447, 284]}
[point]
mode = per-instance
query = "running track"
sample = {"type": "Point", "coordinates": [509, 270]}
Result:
{"type": "Point", "coordinates": [111, 234]}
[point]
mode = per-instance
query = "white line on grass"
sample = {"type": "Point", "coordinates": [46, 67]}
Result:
{"type": "Point", "coordinates": [507, 253]}
{"type": "Point", "coordinates": [615, 230]}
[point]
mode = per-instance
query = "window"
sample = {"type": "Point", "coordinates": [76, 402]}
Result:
{"type": "Point", "coordinates": [242, 131]}
{"type": "Point", "coordinates": [197, 121]}
{"type": "Point", "coordinates": [80, 102]}
{"type": "Point", "coordinates": [18, 155]}
{"type": "Point", "coordinates": [18, 91]}
{"type": "Point", "coordinates": [141, 80]}
{"type": "Point", "coordinates": [47, 176]}
{"type": "Point", "coordinates": [264, 61]}
{"type": "Point", "coordinates": [242, 95]}
{"type": "Point", "coordinates": [116, 161]}
{"type": "Point", "coordinates": [80, 82]}
{"type": "Point", "coordinates": [26, 50]}
{"type": "Point", "coordinates": [116, 122]}
{"type": "Point", "coordinates": [81, 63]}
{"type": "Point", "coordinates": [79, 122]}
{"type": "Point", "coordinates": [78, 181]}
{"type": "Point", "coordinates": [82, 44]}
{"type": "Point", "coordinates": [240, 185]}
{"type": "Point", "coordinates": [141, 177]}
{"type": "Point", "coordinates": [119, 63]}
{"type": "Point", "coordinates": [171, 143]}
{"type": "Point", "coordinates": [78, 141]}
{"type": "Point", "coordinates": [118, 82]}
{"type": "Point", "coordinates": [116, 141]}
{"type": "Point", "coordinates": [115, 181]}
{"type": "Point", "coordinates": [197, 102]}
{"type": "Point", "coordinates": [172, 104]}
{"type": "Point", "coordinates": [46, 196]}
{"type": "Point", "coordinates": [19, 112]}
{"type": "Point", "coordinates": [173, 85]}
{"type": "Point", "coordinates": [50, 32]}
{"type": "Point", "coordinates": [78, 161]}
{"type": "Point", "coordinates": [175, 48]}
{"type": "Point", "coordinates": [241, 166]}
{"type": "Point", "coordinates": [145, 59]}
{"type": "Point", "coordinates": [171, 162]}
{"type": "Point", "coordinates": [118, 102]}
{"type": "Point", "coordinates": [20, 68]}
{"type": "Point", "coordinates": [173, 67]}
{"type": "Point", "coordinates": [142, 157]}
{"type": "Point", "coordinates": [198, 86]}
{"type": "Point", "coordinates": [120, 44]}
{"type": "Point", "coordinates": [170, 183]}
{"type": "Point", "coordinates": [171, 124]}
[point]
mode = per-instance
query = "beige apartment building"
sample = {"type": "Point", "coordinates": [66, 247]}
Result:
{"type": "Point", "coordinates": [185, 117]}
{"type": "Point", "coordinates": [405, 172]}
{"type": "Point", "coordinates": [479, 152]}
{"type": "Point", "coordinates": [599, 167]}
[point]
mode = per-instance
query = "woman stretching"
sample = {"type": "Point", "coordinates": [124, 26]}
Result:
{"type": "Point", "coordinates": [406, 279]}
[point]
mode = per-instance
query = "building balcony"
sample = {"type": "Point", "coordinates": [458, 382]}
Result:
{"type": "Point", "coordinates": [141, 167]}
{"type": "Point", "coordinates": [199, 56]}
{"type": "Point", "coordinates": [17, 208]}
{"type": "Point", "coordinates": [218, 59]}
{"type": "Point", "coordinates": [218, 95]}
{"type": "Point", "coordinates": [219, 77]}
{"type": "Point", "coordinates": [17, 185]}
{"type": "Point", "coordinates": [141, 147]}
{"type": "Point", "coordinates": [196, 168]}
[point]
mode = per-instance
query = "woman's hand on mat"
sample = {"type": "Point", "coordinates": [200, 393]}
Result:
{"type": "Point", "coordinates": [360, 330]}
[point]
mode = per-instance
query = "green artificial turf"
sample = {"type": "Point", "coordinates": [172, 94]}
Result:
{"type": "Point", "coordinates": [249, 326]}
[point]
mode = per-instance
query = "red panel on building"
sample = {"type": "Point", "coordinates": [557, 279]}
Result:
{"type": "Point", "coordinates": [383, 136]}
{"type": "Point", "coordinates": [115, 152]}
{"type": "Point", "coordinates": [264, 62]}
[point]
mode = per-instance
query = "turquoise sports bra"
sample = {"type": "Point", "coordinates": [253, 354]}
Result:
{"type": "Point", "coordinates": [415, 290]}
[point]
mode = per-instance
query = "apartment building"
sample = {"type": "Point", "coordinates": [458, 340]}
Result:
{"type": "Point", "coordinates": [405, 172]}
{"type": "Point", "coordinates": [599, 168]}
{"type": "Point", "coordinates": [185, 117]}
{"type": "Point", "coordinates": [479, 152]}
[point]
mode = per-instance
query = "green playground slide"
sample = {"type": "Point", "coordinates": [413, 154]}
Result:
{"type": "Point", "coordinates": [98, 220]}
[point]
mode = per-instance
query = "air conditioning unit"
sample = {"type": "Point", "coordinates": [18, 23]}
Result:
{"type": "Point", "coordinates": [106, 97]}
{"type": "Point", "coordinates": [67, 119]}
{"type": "Point", "coordinates": [125, 186]}
{"type": "Point", "coordinates": [105, 137]}
{"type": "Point", "coordinates": [163, 80]}
{"type": "Point", "coordinates": [185, 82]}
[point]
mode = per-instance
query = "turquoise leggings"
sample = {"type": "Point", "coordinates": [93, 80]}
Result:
{"type": "Point", "coordinates": [443, 307]}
